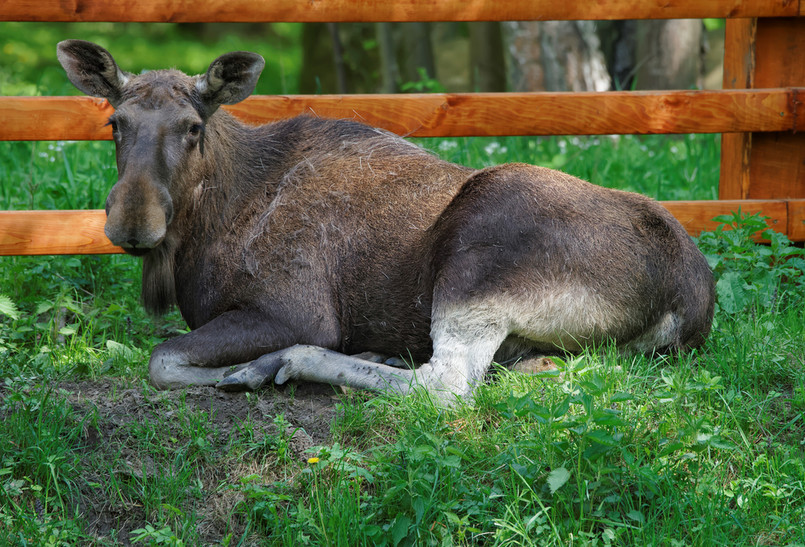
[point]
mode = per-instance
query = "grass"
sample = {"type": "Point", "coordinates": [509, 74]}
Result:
{"type": "Point", "coordinates": [78, 175]}
{"type": "Point", "coordinates": [28, 64]}
{"type": "Point", "coordinates": [652, 453]}
{"type": "Point", "coordinates": [706, 449]}
{"type": "Point", "coordinates": [664, 167]}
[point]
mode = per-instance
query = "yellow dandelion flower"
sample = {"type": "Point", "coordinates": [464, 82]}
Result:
{"type": "Point", "coordinates": [312, 460]}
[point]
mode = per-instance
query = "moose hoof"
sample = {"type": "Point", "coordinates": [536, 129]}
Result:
{"type": "Point", "coordinates": [253, 376]}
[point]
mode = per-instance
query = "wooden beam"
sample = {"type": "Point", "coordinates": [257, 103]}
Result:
{"type": "Point", "coordinates": [796, 219]}
{"type": "Point", "coordinates": [54, 233]}
{"type": "Point", "coordinates": [81, 232]}
{"type": "Point", "coordinates": [459, 114]}
{"type": "Point", "coordinates": [54, 118]}
{"type": "Point", "coordinates": [776, 167]}
{"type": "Point", "coordinates": [739, 72]}
{"type": "Point", "coordinates": [697, 216]}
{"type": "Point", "coordinates": [206, 11]}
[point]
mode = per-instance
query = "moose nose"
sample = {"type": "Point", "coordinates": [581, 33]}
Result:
{"type": "Point", "coordinates": [135, 247]}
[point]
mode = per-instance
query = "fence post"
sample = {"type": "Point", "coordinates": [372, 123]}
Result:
{"type": "Point", "coordinates": [762, 53]}
{"type": "Point", "coordinates": [739, 71]}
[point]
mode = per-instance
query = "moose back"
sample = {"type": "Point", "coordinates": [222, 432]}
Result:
{"type": "Point", "coordinates": [305, 248]}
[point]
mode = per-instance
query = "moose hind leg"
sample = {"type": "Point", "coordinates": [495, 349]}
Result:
{"type": "Point", "coordinates": [465, 340]}
{"type": "Point", "coordinates": [464, 343]}
{"type": "Point", "coordinates": [317, 364]}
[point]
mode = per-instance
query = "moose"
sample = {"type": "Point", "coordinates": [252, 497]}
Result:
{"type": "Point", "coordinates": [311, 249]}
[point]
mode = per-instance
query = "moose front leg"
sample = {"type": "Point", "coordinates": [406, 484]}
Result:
{"type": "Point", "coordinates": [458, 364]}
{"type": "Point", "coordinates": [464, 345]}
{"type": "Point", "coordinates": [208, 354]}
{"type": "Point", "coordinates": [317, 364]}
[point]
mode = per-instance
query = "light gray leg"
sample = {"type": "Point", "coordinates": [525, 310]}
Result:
{"type": "Point", "coordinates": [208, 354]}
{"type": "Point", "coordinates": [465, 340]}
{"type": "Point", "coordinates": [254, 375]}
{"type": "Point", "coordinates": [172, 370]}
{"type": "Point", "coordinates": [534, 365]}
{"type": "Point", "coordinates": [464, 345]}
{"type": "Point", "coordinates": [316, 364]}
{"type": "Point", "coordinates": [379, 358]}
{"type": "Point", "coordinates": [312, 363]}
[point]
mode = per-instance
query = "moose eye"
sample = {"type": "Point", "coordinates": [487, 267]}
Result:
{"type": "Point", "coordinates": [194, 130]}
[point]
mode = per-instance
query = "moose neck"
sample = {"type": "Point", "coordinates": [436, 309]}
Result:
{"type": "Point", "coordinates": [210, 194]}
{"type": "Point", "coordinates": [231, 169]}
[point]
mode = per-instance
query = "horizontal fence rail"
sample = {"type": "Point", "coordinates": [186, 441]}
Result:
{"type": "Point", "coordinates": [81, 232]}
{"type": "Point", "coordinates": [459, 114]}
{"type": "Point", "coordinates": [193, 11]}
{"type": "Point", "coordinates": [773, 112]}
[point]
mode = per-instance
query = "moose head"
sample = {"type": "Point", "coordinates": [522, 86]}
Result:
{"type": "Point", "coordinates": [159, 129]}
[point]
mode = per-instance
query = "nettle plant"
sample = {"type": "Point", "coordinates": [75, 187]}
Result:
{"type": "Point", "coordinates": [752, 276]}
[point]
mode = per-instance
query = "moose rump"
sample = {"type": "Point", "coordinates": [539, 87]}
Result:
{"type": "Point", "coordinates": [305, 248]}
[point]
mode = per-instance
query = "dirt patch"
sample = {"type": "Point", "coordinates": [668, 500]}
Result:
{"type": "Point", "coordinates": [137, 434]}
{"type": "Point", "coordinates": [308, 407]}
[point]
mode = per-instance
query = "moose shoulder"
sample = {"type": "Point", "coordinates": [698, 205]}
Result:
{"type": "Point", "coordinates": [293, 246]}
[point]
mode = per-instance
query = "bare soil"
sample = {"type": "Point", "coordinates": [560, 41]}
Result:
{"type": "Point", "coordinates": [119, 410]}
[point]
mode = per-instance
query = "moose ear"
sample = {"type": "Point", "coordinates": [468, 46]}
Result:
{"type": "Point", "coordinates": [231, 78]}
{"type": "Point", "coordinates": [92, 69]}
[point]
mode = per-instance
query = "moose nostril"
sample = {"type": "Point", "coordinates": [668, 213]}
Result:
{"type": "Point", "coordinates": [133, 242]}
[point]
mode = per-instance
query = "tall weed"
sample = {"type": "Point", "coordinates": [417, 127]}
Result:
{"type": "Point", "coordinates": [750, 275]}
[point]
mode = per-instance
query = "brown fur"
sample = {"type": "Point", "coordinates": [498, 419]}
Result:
{"type": "Point", "coordinates": [332, 234]}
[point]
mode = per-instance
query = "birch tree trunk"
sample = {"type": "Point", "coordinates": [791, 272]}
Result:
{"type": "Point", "coordinates": [556, 56]}
{"type": "Point", "coordinates": [669, 54]}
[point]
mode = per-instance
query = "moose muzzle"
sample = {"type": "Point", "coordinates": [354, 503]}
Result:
{"type": "Point", "coordinates": [138, 212]}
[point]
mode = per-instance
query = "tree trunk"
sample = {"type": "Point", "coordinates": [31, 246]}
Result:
{"type": "Point", "coordinates": [317, 74]}
{"type": "Point", "coordinates": [556, 56]}
{"type": "Point", "coordinates": [418, 51]}
{"type": "Point", "coordinates": [619, 44]}
{"type": "Point", "coordinates": [390, 72]}
{"type": "Point", "coordinates": [338, 58]}
{"type": "Point", "coordinates": [487, 59]}
{"type": "Point", "coordinates": [669, 54]}
{"type": "Point", "coordinates": [335, 58]}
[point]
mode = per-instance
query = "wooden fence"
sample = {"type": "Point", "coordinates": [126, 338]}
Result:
{"type": "Point", "coordinates": [759, 112]}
